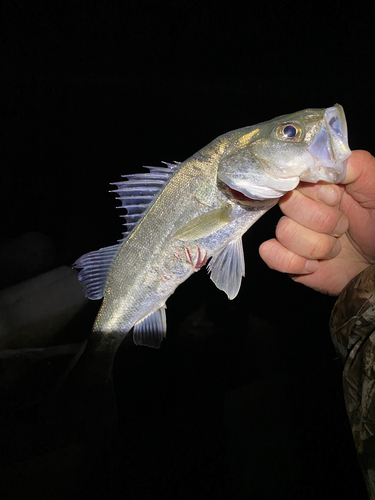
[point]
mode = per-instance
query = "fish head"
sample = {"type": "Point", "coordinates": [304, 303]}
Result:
{"type": "Point", "coordinates": [267, 160]}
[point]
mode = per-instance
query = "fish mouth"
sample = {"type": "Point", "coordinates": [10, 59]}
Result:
{"type": "Point", "coordinates": [330, 149]}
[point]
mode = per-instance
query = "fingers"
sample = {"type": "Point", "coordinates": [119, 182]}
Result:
{"type": "Point", "coordinates": [309, 230]}
{"type": "Point", "coordinates": [279, 258]}
{"type": "Point", "coordinates": [309, 236]}
{"type": "Point", "coordinates": [297, 249]}
{"type": "Point", "coordinates": [307, 207]}
{"type": "Point", "coordinates": [305, 242]}
{"type": "Point", "coordinates": [329, 194]}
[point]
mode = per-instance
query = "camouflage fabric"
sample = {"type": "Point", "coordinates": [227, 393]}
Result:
{"type": "Point", "coordinates": [352, 327]}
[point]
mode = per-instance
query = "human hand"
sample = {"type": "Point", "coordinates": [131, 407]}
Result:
{"type": "Point", "coordinates": [327, 235]}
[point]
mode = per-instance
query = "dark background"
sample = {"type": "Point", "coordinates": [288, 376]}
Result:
{"type": "Point", "coordinates": [244, 398]}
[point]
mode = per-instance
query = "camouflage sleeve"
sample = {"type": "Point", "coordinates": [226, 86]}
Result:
{"type": "Point", "coordinates": [352, 327]}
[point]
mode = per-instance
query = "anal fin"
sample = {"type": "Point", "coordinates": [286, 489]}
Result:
{"type": "Point", "coordinates": [227, 268]}
{"type": "Point", "coordinates": [151, 330]}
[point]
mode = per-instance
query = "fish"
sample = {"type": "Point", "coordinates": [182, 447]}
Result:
{"type": "Point", "coordinates": [182, 216]}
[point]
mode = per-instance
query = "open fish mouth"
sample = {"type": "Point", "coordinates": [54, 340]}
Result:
{"type": "Point", "coordinates": [330, 149]}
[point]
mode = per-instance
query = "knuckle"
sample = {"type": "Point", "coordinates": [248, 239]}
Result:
{"type": "Point", "coordinates": [268, 250]}
{"type": "Point", "coordinates": [325, 219]}
{"type": "Point", "coordinates": [286, 261]}
{"type": "Point", "coordinates": [286, 230]}
{"type": "Point", "coordinates": [292, 203]}
{"type": "Point", "coordinates": [295, 264]}
{"type": "Point", "coordinates": [322, 248]}
{"type": "Point", "coordinates": [281, 260]}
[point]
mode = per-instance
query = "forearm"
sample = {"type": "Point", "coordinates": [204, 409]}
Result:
{"type": "Point", "coordinates": [352, 327]}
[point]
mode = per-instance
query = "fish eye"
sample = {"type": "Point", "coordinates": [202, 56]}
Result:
{"type": "Point", "coordinates": [290, 132]}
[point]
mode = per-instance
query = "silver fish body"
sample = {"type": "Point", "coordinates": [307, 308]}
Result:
{"type": "Point", "coordinates": [187, 213]}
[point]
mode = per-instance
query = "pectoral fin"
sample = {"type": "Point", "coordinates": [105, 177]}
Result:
{"type": "Point", "coordinates": [205, 224]}
{"type": "Point", "coordinates": [152, 329]}
{"type": "Point", "coordinates": [227, 268]}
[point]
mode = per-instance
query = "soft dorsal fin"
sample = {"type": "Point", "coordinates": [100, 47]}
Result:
{"type": "Point", "coordinates": [139, 191]}
{"type": "Point", "coordinates": [95, 267]}
{"type": "Point", "coordinates": [152, 329]}
{"type": "Point", "coordinates": [227, 268]}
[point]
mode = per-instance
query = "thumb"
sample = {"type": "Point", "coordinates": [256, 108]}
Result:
{"type": "Point", "coordinates": [360, 168]}
{"type": "Point", "coordinates": [360, 179]}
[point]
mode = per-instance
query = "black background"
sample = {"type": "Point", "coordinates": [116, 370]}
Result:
{"type": "Point", "coordinates": [94, 90]}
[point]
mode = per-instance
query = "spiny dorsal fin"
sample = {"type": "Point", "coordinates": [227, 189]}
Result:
{"type": "Point", "coordinates": [95, 267]}
{"type": "Point", "coordinates": [136, 195]}
{"type": "Point", "coordinates": [139, 191]}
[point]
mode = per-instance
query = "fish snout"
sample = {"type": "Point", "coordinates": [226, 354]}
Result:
{"type": "Point", "coordinates": [330, 149]}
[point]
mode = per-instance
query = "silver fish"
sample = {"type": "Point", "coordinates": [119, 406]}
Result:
{"type": "Point", "coordinates": [182, 215]}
